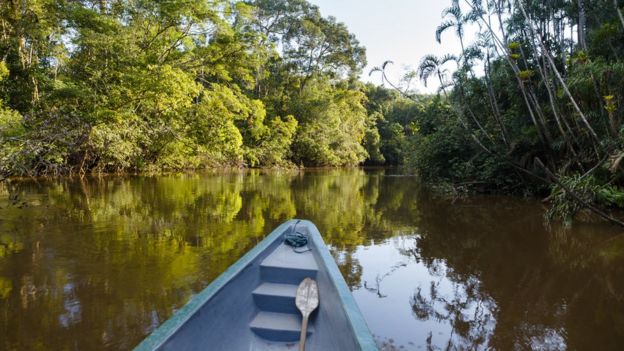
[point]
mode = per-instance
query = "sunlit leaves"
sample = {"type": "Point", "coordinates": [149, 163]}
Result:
{"type": "Point", "coordinates": [332, 126]}
{"type": "Point", "coordinates": [152, 85]}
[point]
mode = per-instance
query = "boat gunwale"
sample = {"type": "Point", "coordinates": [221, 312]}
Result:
{"type": "Point", "coordinates": [358, 325]}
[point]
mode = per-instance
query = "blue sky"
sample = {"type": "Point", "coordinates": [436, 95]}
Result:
{"type": "Point", "coordinates": [402, 31]}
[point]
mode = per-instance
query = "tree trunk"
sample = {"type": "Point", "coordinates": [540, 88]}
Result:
{"type": "Point", "coordinates": [558, 75]}
{"type": "Point", "coordinates": [21, 51]}
{"type": "Point", "coordinates": [582, 24]}
{"type": "Point", "coordinates": [619, 12]}
{"type": "Point", "coordinates": [504, 46]}
{"type": "Point", "coordinates": [463, 50]}
{"type": "Point", "coordinates": [494, 102]}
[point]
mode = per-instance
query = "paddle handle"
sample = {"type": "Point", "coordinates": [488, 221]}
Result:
{"type": "Point", "coordinates": [304, 333]}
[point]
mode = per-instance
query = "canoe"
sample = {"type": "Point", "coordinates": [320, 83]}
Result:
{"type": "Point", "coordinates": [251, 306]}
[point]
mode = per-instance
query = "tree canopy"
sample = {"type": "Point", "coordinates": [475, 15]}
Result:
{"type": "Point", "coordinates": [127, 85]}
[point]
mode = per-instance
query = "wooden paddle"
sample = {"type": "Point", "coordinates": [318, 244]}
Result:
{"type": "Point", "coordinates": [307, 300]}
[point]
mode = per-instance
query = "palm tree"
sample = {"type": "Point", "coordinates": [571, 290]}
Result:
{"type": "Point", "coordinates": [384, 79]}
{"type": "Point", "coordinates": [454, 18]}
{"type": "Point", "coordinates": [432, 65]}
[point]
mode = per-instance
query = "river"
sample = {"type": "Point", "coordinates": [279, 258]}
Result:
{"type": "Point", "coordinates": [98, 263]}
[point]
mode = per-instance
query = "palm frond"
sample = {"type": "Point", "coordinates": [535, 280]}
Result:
{"type": "Point", "coordinates": [442, 28]}
{"type": "Point", "coordinates": [453, 11]}
{"type": "Point", "coordinates": [374, 70]}
{"type": "Point", "coordinates": [476, 11]}
{"type": "Point", "coordinates": [387, 62]}
{"type": "Point", "coordinates": [473, 52]}
{"type": "Point", "coordinates": [448, 58]}
{"type": "Point", "coordinates": [428, 66]}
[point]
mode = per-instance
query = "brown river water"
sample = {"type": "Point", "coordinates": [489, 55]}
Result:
{"type": "Point", "coordinates": [99, 263]}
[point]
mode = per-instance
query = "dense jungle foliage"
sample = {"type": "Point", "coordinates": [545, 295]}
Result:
{"type": "Point", "coordinates": [135, 85]}
{"type": "Point", "coordinates": [534, 103]}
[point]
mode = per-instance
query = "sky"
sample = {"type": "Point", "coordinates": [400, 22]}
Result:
{"type": "Point", "coordinates": [402, 31]}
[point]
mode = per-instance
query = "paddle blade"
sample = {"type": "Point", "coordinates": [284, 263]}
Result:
{"type": "Point", "coordinates": [307, 299]}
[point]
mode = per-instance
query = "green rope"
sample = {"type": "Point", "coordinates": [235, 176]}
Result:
{"type": "Point", "coordinates": [296, 240]}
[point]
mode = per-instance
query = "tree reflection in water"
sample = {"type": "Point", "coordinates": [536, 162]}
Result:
{"type": "Point", "coordinates": [97, 263]}
{"type": "Point", "coordinates": [469, 313]}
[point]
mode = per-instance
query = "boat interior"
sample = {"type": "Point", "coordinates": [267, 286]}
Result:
{"type": "Point", "coordinates": [255, 309]}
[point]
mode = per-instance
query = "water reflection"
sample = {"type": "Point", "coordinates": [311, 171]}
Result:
{"type": "Point", "coordinates": [99, 263]}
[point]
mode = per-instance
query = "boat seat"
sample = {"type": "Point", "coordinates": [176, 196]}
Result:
{"type": "Point", "coordinates": [288, 267]}
{"type": "Point", "coordinates": [273, 297]}
{"type": "Point", "coordinates": [278, 326]}
{"type": "Point", "coordinates": [281, 272]}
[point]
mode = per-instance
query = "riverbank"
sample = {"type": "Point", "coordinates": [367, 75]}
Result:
{"type": "Point", "coordinates": [558, 206]}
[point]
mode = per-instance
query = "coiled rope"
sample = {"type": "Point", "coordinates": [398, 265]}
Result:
{"type": "Point", "coordinates": [296, 240]}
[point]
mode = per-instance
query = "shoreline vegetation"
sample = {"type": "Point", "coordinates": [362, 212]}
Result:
{"type": "Point", "coordinates": [532, 107]}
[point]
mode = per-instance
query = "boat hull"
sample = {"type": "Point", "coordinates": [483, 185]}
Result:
{"type": "Point", "coordinates": [248, 307]}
